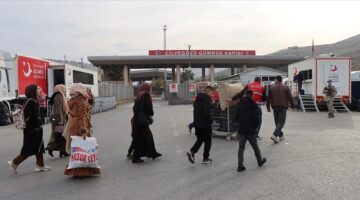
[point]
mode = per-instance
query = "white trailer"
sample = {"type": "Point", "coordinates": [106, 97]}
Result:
{"type": "Point", "coordinates": [67, 74]}
{"type": "Point", "coordinates": [316, 72]}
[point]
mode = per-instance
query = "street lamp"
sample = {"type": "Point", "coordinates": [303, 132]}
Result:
{"type": "Point", "coordinates": [165, 75]}
{"type": "Point", "coordinates": [164, 28]}
{"type": "Point", "coordinates": [189, 67]}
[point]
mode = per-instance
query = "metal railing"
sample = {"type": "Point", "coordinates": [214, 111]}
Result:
{"type": "Point", "coordinates": [119, 91]}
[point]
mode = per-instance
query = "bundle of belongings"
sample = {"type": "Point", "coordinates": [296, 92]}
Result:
{"type": "Point", "coordinates": [227, 91]}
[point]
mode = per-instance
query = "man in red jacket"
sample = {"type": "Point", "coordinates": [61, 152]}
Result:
{"type": "Point", "coordinates": [259, 96]}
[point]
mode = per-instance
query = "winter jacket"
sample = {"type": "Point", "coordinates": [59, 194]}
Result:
{"type": "Point", "coordinates": [247, 116]}
{"type": "Point", "coordinates": [79, 123]}
{"type": "Point", "coordinates": [33, 133]}
{"type": "Point", "coordinates": [258, 90]}
{"type": "Point", "coordinates": [202, 111]}
{"type": "Point", "coordinates": [279, 97]}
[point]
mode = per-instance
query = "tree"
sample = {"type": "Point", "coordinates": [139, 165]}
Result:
{"type": "Point", "coordinates": [158, 84]}
{"type": "Point", "coordinates": [186, 75]}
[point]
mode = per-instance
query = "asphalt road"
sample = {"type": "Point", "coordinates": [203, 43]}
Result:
{"type": "Point", "coordinates": [319, 159]}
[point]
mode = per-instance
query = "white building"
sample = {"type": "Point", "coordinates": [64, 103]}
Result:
{"type": "Point", "coordinates": [266, 74]}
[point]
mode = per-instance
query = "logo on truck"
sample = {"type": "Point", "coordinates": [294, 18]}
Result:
{"type": "Point", "coordinates": [28, 73]}
{"type": "Point", "coordinates": [333, 68]}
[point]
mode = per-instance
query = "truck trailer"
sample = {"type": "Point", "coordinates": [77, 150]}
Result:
{"type": "Point", "coordinates": [315, 73]}
{"type": "Point", "coordinates": [16, 73]}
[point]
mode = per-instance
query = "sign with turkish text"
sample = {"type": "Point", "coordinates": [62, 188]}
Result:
{"type": "Point", "coordinates": [32, 71]}
{"type": "Point", "coordinates": [202, 52]}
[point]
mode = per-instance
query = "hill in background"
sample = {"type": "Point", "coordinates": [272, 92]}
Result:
{"type": "Point", "coordinates": [349, 47]}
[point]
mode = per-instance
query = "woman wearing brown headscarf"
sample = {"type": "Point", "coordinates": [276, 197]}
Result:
{"type": "Point", "coordinates": [33, 133]}
{"type": "Point", "coordinates": [79, 125]}
{"type": "Point", "coordinates": [143, 141]}
{"type": "Point", "coordinates": [59, 117]}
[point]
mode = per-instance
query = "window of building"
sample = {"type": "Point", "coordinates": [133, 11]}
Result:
{"type": "Point", "coordinates": [307, 74]}
{"type": "Point", "coordinates": [83, 77]}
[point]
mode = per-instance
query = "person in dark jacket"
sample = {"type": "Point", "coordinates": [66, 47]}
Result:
{"type": "Point", "coordinates": [143, 141]}
{"type": "Point", "coordinates": [248, 121]}
{"type": "Point", "coordinates": [203, 125]}
{"type": "Point", "coordinates": [33, 133]}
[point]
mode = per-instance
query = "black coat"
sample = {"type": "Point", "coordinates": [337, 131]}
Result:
{"type": "Point", "coordinates": [247, 116]}
{"type": "Point", "coordinates": [202, 111]}
{"type": "Point", "coordinates": [33, 133]}
{"type": "Point", "coordinates": [143, 141]}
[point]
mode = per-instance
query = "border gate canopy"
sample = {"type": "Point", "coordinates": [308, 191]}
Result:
{"type": "Point", "coordinates": [218, 61]}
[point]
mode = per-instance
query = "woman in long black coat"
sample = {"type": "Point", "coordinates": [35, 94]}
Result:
{"type": "Point", "coordinates": [33, 143]}
{"type": "Point", "coordinates": [143, 141]}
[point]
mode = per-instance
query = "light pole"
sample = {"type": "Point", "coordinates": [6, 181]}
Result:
{"type": "Point", "coordinates": [189, 67]}
{"type": "Point", "coordinates": [165, 28]}
{"type": "Point", "coordinates": [165, 75]}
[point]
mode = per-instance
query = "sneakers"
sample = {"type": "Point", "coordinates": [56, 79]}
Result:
{"type": "Point", "coordinates": [262, 162]}
{"type": "Point", "coordinates": [43, 168]}
{"type": "Point", "coordinates": [274, 138]}
{"type": "Point", "coordinates": [191, 157]}
{"type": "Point", "coordinates": [12, 166]}
{"type": "Point", "coordinates": [206, 161]}
{"type": "Point", "coordinates": [241, 169]}
{"type": "Point", "coordinates": [282, 138]}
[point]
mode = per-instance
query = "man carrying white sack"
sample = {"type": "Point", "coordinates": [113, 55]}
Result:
{"type": "Point", "coordinates": [259, 96]}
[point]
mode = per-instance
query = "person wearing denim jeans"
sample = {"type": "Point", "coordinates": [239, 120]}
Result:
{"type": "Point", "coordinates": [247, 118]}
{"type": "Point", "coordinates": [259, 96]}
{"type": "Point", "coordinates": [279, 98]}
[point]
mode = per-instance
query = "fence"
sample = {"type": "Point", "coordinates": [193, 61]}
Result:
{"type": "Point", "coordinates": [120, 92]}
{"type": "Point", "coordinates": [103, 104]}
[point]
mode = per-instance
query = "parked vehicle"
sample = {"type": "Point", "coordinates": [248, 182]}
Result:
{"type": "Point", "coordinates": [16, 73]}
{"type": "Point", "coordinates": [317, 71]}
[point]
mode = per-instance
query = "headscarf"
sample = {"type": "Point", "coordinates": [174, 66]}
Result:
{"type": "Point", "coordinates": [79, 88]}
{"type": "Point", "coordinates": [62, 90]}
{"type": "Point", "coordinates": [143, 88]}
{"type": "Point", "coordinates": [31, 91]}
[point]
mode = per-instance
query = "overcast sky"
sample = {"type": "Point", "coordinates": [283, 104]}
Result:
{"type": "Point", "coordinates": [91, 28]}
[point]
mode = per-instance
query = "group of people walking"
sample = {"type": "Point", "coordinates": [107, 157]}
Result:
{"type": "Point", "coordinates": [72, 118]}
{"type": "Point", "coordinates": [69, 118]}
{"type": "Point", "coordinates": [248, 117]}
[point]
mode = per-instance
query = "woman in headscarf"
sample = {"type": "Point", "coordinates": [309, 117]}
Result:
{"type": "Point", "coordinates": [79, 125]}
{"type": "Point", "coordinates": [59, 116]}
{"type": "Point", "coordinates": [143, 141]}
{"type": "Point", "coordinates": [33, 133]}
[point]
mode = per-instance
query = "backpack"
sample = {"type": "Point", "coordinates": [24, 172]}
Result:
{"type": "Point", "coordinates": [18, 117]}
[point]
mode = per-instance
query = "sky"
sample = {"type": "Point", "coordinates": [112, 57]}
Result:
{"type": "Point", "coordinates": [50, 29]}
